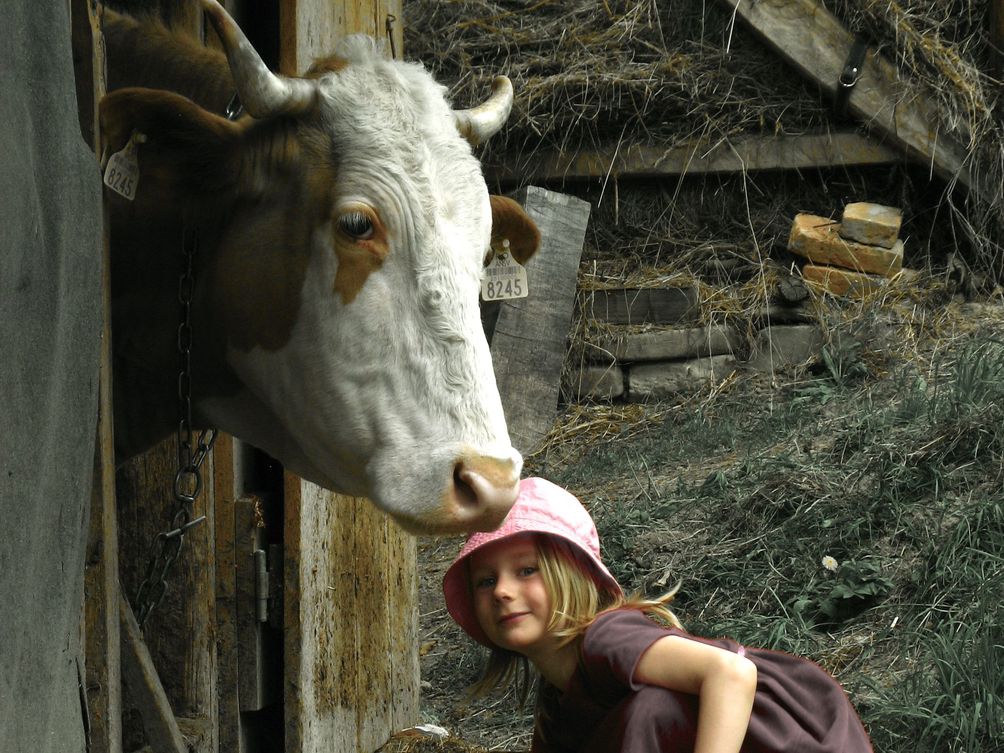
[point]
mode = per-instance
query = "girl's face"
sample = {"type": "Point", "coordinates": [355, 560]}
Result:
{"type": "Point", "coordinates": [510, 601]}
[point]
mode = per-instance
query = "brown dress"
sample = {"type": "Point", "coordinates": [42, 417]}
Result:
{"type": "Point", "coordinates": [798, 707]}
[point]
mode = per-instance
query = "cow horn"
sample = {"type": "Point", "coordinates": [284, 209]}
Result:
{"type": "Point", "coordinates": [482, 122]}
{"type": "Point", "coordinates": [262, 92]}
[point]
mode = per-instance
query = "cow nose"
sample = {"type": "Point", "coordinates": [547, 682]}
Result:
{"type": "Point", "coordinates": [483, 490]}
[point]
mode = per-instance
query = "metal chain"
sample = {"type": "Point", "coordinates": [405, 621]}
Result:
{"type": "Point", "coordinates": [188, 479]}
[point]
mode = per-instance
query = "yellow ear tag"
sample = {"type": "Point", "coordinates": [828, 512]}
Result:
{"type": "Point", "coordinates": [504, 278]}
{"type": "Point", "coordinates": [122, 171]}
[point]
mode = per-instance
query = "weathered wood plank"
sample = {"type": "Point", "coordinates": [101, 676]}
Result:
{"type": "Point", "coordinates": [742, 153]}
{"type": "Point", "coordinates": [319, 640]}
{"type": "Point", "coordinates": [308, 29]}
{"type": "Point", "coordinates": [810, 38]}
{"type": "Point", "coordinates": [530, 338]}
{"type": "Point", "coordinates": [401, 550]}
{"type": "Point", "coordinates": [350, 640]}
{"type": "Point", "coordinates": [146, 692]}
{"type": "Point", "coordinates": [351, 666]}
{"type": "Point", "coordinates": [101, 578]}
{"type": "Point", "coordinates": [101, 582]}
{"type": "Point", "coordinates": [641, 305]}
{"type": "Point", "coordinates": [180, 631]}
{"type": "Point", "coordinates": [226, 491]}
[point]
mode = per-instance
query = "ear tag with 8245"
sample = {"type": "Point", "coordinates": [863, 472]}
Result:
{"type": "Point", "coordinates": [122, 171]}
{"type": "Point", "coordinates": [504, 277]}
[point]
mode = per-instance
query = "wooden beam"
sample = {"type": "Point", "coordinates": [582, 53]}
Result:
{"type": "Point", "coordinates": [146, 692]}
{"type": "Point", "coordinates": [811, 39]}
{"type": "Point", "coordinates": [227, 490]}
{"type": "Point", "coordinates": [101, 580]}
{"type": "Point", "coordinates": [740, 154]}
{"type": "Point", "coordinates": [350, 623]}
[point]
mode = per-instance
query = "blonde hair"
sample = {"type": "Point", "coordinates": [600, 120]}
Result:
{"type": "Point", "coordinates": [576, 600]}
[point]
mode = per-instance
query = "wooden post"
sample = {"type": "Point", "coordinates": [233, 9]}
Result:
{"type": "Point", "coordinates": [226, 491]}
{"type": "Point", "coordinates": [350, 589]}
{"type": "Point", "coordinates": [350, 623]}
{"type": "Point", "coordinates": [103, 677]}
{"type": "Point", "coordinates": [531, 334]}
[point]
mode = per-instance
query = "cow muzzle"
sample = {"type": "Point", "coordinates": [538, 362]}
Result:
{"type": "Point", "coordinates": [482, 491]}
{"type": "Point", "coordinates": [476, 496]}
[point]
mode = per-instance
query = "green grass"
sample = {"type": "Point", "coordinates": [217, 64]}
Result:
{"type": "Point", "coordinates": [899, 479]}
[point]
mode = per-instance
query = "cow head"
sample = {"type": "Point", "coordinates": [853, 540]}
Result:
{"type": "Point", "coordinates": [343, 228]}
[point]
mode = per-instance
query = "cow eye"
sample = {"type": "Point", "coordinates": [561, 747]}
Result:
{"type": "Point", "coordinates": [356, 225]}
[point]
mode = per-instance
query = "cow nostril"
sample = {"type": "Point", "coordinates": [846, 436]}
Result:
{"type": "Point", "coordinates": [465, 494]}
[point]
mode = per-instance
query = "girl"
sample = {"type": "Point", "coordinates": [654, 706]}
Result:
{"type": "Point", "coordinates": [611, 679]}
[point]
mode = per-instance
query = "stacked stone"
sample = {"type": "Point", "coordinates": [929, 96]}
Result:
{"type": "Point", "coordinates": [853, 257]}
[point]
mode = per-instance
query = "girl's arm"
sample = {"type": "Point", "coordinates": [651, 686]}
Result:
{"type": "Point", "coordinates": [724, 682]}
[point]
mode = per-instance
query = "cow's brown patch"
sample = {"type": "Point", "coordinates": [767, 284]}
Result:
{"type": "Point", "coordinates": [261, 266]}
{"type": "Point", "coordinates": [323, 65]}
{"type": "Point", "coordinates": [186, 155]}
{"type": "Point", "coordinates": [357, 257]}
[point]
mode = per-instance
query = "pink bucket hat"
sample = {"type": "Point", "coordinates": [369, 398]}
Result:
{"type": "Point", "coordinates": [541, 507]}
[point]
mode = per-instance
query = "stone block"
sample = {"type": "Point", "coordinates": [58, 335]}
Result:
{"type": "Point", "coordinates": [654, 381]}
{"type": "Point", "coordinates": [599, 382]}
{"type": "Point", "coordinates": [871, 224]}
{"type": "Point", "coordinates": [667, 344]}
{"type": "Point", "coordinates": [785, 347]}
{"type": "Point", "coordinates": [818, 240]}
{"type": "Point", "coordinates": [641, 305]}
{"type": "Point", "coordinates": [842, 282]}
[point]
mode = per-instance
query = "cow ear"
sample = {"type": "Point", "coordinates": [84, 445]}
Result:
{"type": "Point", "coordinates": [185, 153]}
{"type": "Point", "coordinates": [510, 222]}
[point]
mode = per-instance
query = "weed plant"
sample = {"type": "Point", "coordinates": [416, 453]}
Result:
{"type": "Point", "coordinates": [858, 521]}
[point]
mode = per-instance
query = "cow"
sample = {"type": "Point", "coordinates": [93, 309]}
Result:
{"type": "Point", "coordinates": [338, 230]}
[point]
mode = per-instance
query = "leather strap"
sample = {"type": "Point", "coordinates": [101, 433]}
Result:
{"type": "Point", "coordinates": [849, 76]}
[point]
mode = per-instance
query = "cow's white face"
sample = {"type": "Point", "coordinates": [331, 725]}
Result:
{"type": "Point", "coordinates": [384, 387]}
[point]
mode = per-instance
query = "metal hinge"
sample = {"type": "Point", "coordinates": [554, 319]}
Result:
{"type": "Point", "coordinates": [268, 585]}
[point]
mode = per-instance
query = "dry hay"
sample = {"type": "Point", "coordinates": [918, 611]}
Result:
{"type": "Point", "coordinates": [592, 72]}
{"type": "Point", "coordinates": [595, 74]}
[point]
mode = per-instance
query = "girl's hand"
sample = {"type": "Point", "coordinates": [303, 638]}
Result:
{"type": "Point", "coordinates": [724, 682]}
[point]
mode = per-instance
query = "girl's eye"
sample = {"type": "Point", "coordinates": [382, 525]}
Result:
{"type": "Point", "coordinates": [486, 582]}
{"type": "Point", "coordinates": [528, 570]}
{"type": "Point", "coordinates": [356, 225]}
